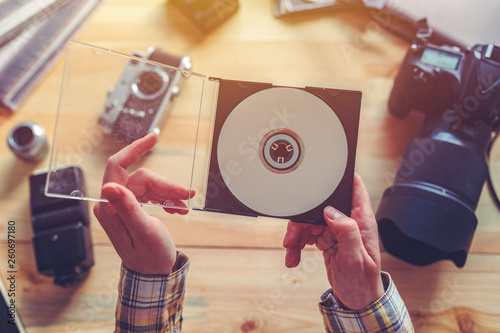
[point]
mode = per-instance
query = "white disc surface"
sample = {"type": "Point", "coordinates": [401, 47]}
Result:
{"type": "Point", "coordinates": [324, 155]}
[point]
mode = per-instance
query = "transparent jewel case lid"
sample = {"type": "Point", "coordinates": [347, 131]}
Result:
{"type": "Point", "coordinates": [109, 99]}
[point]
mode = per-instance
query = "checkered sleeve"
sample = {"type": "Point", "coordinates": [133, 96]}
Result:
{"type": "Point", "coordinates": [387, 314]}
{"type": "Point", "coordinates": [151, 303]}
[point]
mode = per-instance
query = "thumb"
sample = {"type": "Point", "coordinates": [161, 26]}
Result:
{"type": "Point", "coordinates": [345, 229]}
{"type": "Point", "coordinates": [125, 204]}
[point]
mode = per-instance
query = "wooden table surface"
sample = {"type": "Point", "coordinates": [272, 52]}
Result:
{"type": "Point", "coordinates": [237, 280]}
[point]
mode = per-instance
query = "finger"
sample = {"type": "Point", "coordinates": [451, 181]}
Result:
{"type": "Point", "coordinates": [176, 207]}
{"type": "Point", "coordinates": [294, 241]}
{"type": "Point", "coordinates": [180, 211]}
{"type": "Point", "coordinates": [296, 237]}
{"type": "Point", "coordinates": [326, 240]}
{"type": "Point", "coordinates": [117, 165]}
{"type": "Point", "coordinates": [292, 236]}
{"type": "Point", "coordinates": [362, 213]}
{"type": "Point", "coordinates": [361, 208]}
{"type": "Point", "coordinates": [301, 233]}
{"type": "Point", "coordinates": [311, 239]}
{"type": "Point", "coordinates": [126, 206]}
{"type": "Point", "coordinates": [345, 229]}
{"type": "Point", "coordinates": [292, 257]}
{"type": "Point", "coordinates": [108, 218]}
{"type": "Point", "coordinates": [150, 186]}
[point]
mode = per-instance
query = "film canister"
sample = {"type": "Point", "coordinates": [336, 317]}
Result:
{"type": "Point", "coordinates": [28, 141]}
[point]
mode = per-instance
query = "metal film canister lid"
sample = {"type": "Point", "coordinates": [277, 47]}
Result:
{"type": "Point", "coordinates": [28, 141]}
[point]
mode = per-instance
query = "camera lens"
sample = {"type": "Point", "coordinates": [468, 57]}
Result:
{"type": "Point", "coordinates": [23, 135]}
{"type": "Point", "coordinates": [150, 84]}
{"type": "Point", "coordinates": [427, 215]}
{"type": "Point", "coordinates": [28, 141]}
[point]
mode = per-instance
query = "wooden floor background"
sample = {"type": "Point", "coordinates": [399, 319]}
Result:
{"type": "Point", "coordinates": [237, 280]}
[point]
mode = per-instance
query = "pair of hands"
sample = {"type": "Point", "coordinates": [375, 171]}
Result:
{"type": "Point", "coordinates": [350, 245]}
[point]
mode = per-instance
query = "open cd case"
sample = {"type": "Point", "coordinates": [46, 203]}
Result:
{"type": "Point", "coordinates": [246, 148]}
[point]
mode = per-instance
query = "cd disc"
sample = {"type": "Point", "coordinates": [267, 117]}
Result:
{"type": "Point", "coordinates": [282, 151]}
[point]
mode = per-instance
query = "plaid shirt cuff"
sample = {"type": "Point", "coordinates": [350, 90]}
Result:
{"type": "Point", "coordinates": [387, 314]}
{"type": "Point", "coordinates": [151, 303]}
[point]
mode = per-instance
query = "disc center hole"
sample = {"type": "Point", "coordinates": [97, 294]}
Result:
{"type": "Point", "coordinates": [281, 151]}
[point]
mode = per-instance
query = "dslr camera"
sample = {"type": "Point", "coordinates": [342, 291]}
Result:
{"type": "Point", "coordinates": [428, 213]}
{"type": "Point", "coordinates": [62, 241]}
{"type": "Point", "coordinates": [141, 99]}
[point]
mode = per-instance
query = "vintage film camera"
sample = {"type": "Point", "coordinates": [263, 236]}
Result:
{"type": "Point", "coordinates": [62, 241]}
{"type": "Point", "coordinates": [140, 101]}
{"type": "Point", "coordinates": [428, 213]}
